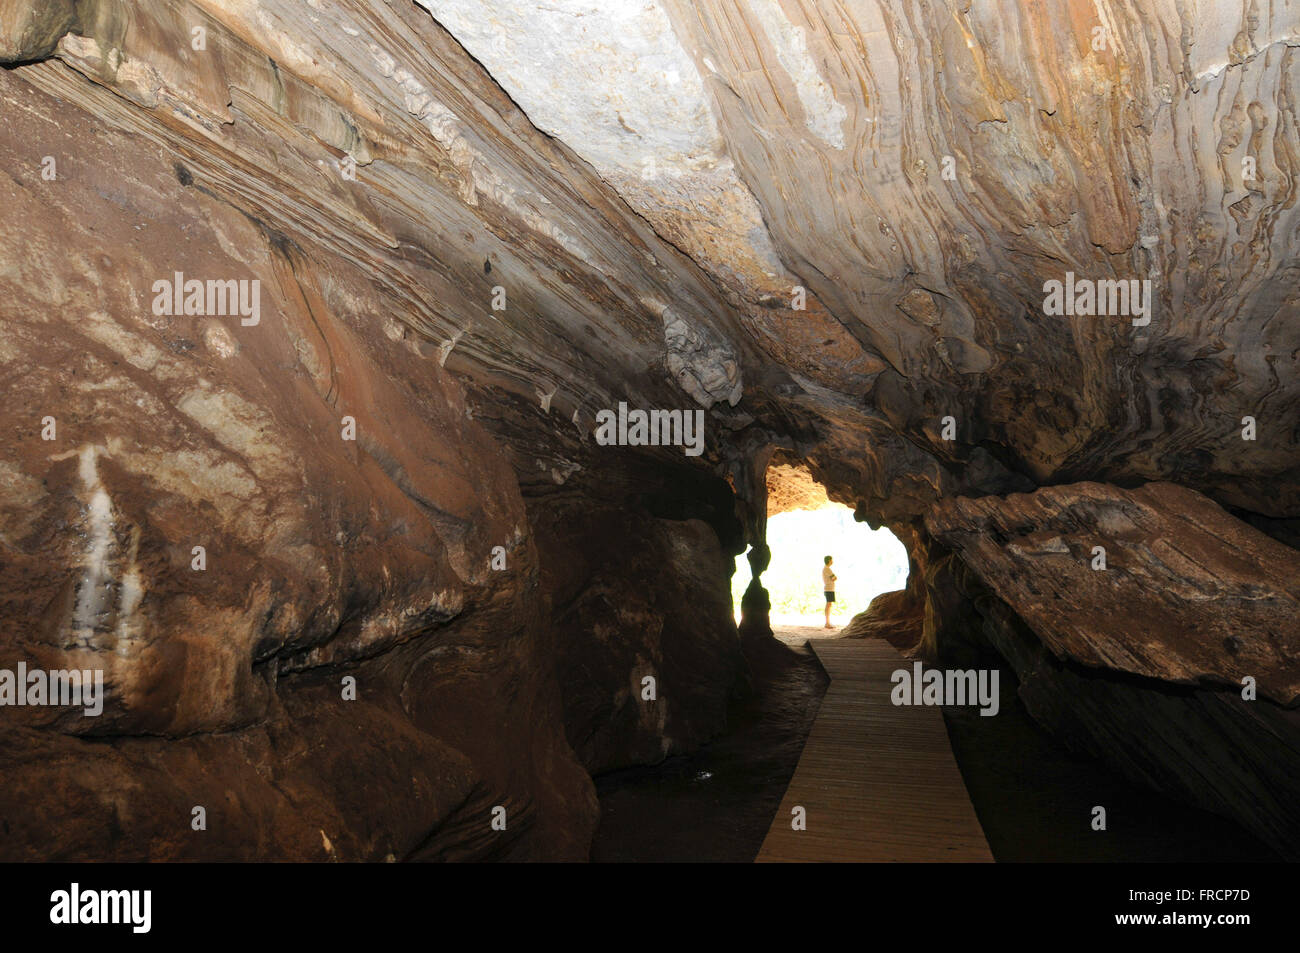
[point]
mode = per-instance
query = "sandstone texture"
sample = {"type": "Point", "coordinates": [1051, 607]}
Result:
{"type": "Point", "coordinates": [1175, 663]}
{"type": "Point", "coordinates": [791, 488]}
{"type": "Point", "coordinates": [897, 617]}
{"type": "Point", "coordinates": [1158, 582]}
{"type": "Point", "coordinates": [826, 228]}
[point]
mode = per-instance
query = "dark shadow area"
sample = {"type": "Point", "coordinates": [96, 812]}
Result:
{"type": "Point", "coordinates": [1034, 799]}
{"type": "Point", "coordinates": [718, 803]}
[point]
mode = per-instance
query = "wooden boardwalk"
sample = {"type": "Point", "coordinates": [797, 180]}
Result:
{"type": "Point", "coordinates": [878, 781]}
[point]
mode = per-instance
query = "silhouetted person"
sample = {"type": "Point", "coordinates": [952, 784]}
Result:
{"type": "Point", "coordinates": [828, 584]}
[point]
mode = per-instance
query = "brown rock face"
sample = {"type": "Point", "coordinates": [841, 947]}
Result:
{"type": "Point", "coordinates": [316, 314]}
{"type": "Point", "coordinates": [1158, 581]}
{"type": "Point", "coordinates": [201, 526]}
{"type": "Point", "coordinates": [896, 617]}
{"type": "Point", "coordinates": [30, 31]}
{"type": "Point", "coordinates": [290, 514]}
{"type": "Point", "coordinates": [1187, 595]}
{"type": "Point", "coordinates": [792, 488]}
{"type": "Point", "coordinates": [1211, 748]}
{"type": "Point", "coordinates": [644, 670]}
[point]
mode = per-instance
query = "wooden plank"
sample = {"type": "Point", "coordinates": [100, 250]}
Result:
{"type": "Point", "coordinates": [878, 780]}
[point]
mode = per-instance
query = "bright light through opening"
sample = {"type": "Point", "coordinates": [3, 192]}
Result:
{"type": "Point", "coordinates": [867, 563]}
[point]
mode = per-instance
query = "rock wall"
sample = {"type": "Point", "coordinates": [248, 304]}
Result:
{"type": "Point", "coordinates": [199, 527]}
{"type": "Point", "coordinates": [293, 537]}
{"type": "Point", "coordinates": [637, 598]}
{"type": "Point", "coordinates": [476, 231]}
{"type": "Point", "coordinates": [1148, 627]}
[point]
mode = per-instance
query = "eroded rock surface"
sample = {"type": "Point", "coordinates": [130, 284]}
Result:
{"type": "Point", "coordinates": [791, 488]}
{"type": "Point", "coordinates": [1207, 747]}
{"type": "Point", "coordinates": [897, 617]}
{"type": "Point", "coordinates": [1158, 581]}
{"type": "Point", "coordinates": [474, 227]}
{"type": "Point", "coordinates": [357, 518]}
{"type": "Point", "coordinates": [923, 174]}
{"type": "Point", "coordinates": [1175, 663]}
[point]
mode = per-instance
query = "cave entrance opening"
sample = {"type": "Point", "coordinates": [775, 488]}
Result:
{"type": "Point", "coordinates": [803, 527]}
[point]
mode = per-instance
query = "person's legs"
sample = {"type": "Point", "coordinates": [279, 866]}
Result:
{"type": "Point", "coordinates": [828, 612]}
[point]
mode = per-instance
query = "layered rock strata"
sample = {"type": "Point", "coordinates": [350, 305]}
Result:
{"type": "Point", "coordinates": [434, 242]}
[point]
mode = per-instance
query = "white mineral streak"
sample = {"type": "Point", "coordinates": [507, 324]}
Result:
{"type": "Point", "coordinates": [823, 114]}
{"type": "Point", "coordinates": [99, 516]}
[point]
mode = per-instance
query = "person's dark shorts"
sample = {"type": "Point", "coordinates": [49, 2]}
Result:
{"type": "Point", "coordinates": [830, 597]}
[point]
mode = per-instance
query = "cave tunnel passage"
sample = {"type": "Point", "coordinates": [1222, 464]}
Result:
{"type": "Point", "coordinates": [803, 527]}
{"type": "Point", "coordinates": [1027, 788]}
